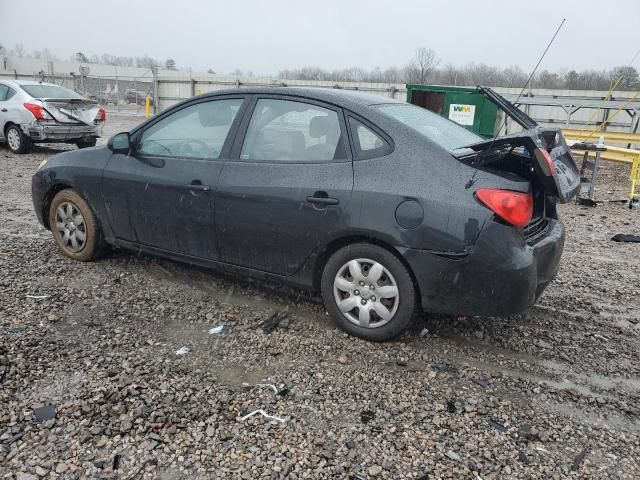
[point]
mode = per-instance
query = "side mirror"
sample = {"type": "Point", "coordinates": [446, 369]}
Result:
{"type": "Point", "coordinates": [120, 143]}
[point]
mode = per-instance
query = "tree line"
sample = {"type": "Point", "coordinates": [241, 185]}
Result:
{"type": "Point", "coordinates": [424, 68]}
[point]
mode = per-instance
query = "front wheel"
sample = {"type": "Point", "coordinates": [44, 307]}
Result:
{"type": "Point", "coordinates": [75, 227]}
{"type": "Point", "coordinates": [368, 292]}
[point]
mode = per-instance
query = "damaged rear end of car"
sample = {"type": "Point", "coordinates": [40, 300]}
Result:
{"type": "Point", "coordinates": [65, 120]}
{"type": "Point", "coordinates": [518, 179]}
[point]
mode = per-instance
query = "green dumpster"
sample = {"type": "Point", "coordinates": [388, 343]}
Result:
{"type": "Point", "coordinates": [465, 106]}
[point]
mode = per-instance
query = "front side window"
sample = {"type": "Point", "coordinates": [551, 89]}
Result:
{"type": "Point", "coordinates": [4, 90]}
{"type": "Point", "coordinates": [197, 131]}
{"type": "Point", "coordinates": [284, 130]}
{"type": "Point", "coordinates": [438, 129]}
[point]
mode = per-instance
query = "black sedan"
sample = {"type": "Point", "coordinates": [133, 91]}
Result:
{"type": "Point", "coordinates": [385, 208]}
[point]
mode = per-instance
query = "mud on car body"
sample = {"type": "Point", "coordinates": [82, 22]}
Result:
{"type": "Point", "coordinates": [385, 208]}
{"type": "Point", "coordinates": [34, 112]}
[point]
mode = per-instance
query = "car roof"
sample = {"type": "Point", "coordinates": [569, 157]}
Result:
{"type": "Point", "coordinates": [331, 95]}
{"type": "Point", "coordinates": [11, 81]}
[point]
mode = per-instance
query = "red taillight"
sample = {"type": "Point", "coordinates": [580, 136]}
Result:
{"type": "Point", "coordinates": [37, 111]}
{"type": "Point", "coordinates": [548, 161]}
{"type": "Point", "coordinates": [102, 115]}
{"type": "Point", "coordinates": [513, 207]}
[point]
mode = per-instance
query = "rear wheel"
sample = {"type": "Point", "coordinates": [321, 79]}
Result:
{"type": "Point", "coordinates": [86, 143]}
{"type": "Point", "coordinates": [17, 141]}
{"type": "Point", "coordinates": [74, 226]}
{"type": "Point", "coordinates": [368, 292]}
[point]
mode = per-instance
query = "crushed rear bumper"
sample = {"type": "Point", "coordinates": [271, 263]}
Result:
{"type": "Point", "coordinates": [56, 132]}
{"type": "Point", "coordinates": [503, 274]}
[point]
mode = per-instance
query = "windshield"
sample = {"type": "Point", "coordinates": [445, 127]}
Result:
{"type": "Point", "coordinates": [49, 91]}
{"type": "Point", "coordinates": [438, 129]}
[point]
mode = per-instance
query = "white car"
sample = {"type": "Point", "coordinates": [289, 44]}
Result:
{"type": "Point", "coordinates": [36, 112]}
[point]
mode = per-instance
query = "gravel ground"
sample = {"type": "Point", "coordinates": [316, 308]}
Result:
{"type": "Point", "coordinates": [91, 386]}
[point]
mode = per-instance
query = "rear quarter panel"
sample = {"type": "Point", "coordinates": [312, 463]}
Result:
{"type": "Point", "coordinates": [422, 172]}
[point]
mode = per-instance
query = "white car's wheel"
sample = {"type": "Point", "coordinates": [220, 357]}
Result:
{"type": "Point", "coordinates": [17, 141]}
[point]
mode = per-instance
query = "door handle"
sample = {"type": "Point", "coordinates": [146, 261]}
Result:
{"type": "Point", "coordinates": [321, 198]}
{"type": "Point", "coordinates": [198, 187]}
{"type": "Point", "coordinates": [3, 110]}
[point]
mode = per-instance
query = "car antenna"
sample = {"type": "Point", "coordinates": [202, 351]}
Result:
{"type": "Point", "coordinates": [479, 162]}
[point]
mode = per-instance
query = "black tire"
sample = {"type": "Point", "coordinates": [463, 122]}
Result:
{"type": "Point", "coordinates": [93, 245]}
{"type": "Point", "coordinates": [19, 142]}
{"type": "Point", "coordinates": [402, 307]}
{"type": "Point", "coordinates": [86, 143]}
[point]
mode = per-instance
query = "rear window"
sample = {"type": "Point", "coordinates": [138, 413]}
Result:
{"type": "Point", "coordinates": [49, 91]}
{"type": "Point", "coordinates": [438, 129]}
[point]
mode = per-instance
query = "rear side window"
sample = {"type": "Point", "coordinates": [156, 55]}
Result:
{"type": "Point", "coordinates": [10, 93]}
{"type": "Point", "coordinates": [290, 131]}
{"type": "Point", "coordinates": [367, 142]}
{"type": "Point", "coordinates": [197, 131]}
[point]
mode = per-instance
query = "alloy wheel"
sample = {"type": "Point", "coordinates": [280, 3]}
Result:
{"type": "Point", "coordinates": [366, 293]}
{"type": "Point", "coordinates": [13, 139]}
{"type": "Point", "coordinates": [72, 227]}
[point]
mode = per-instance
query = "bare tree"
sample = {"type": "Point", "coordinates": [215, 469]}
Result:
{"type": "Point", "coordinates": [628, 75]}
{"type": "Point", "coordinates": [81, 57]}
{"type": "Point", "coordinates": [170, 64]}
{"type": "Point", "coordinates": [426, 62]}
{"type": "Point", "coordinates": [19, 50]}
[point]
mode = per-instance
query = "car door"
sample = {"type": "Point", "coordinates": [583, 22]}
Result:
{"type": "Point", "coordinates": [286, 186]}
{"type": "Point", "coordinates": [161, 195]}
{"type": "Point", "coordinates": [7, 107]}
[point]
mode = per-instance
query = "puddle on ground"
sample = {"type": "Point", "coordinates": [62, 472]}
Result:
{"type": "Point", "coordinates": [594, 379]}
{"type": "Point", "coordinates": [617, 422]}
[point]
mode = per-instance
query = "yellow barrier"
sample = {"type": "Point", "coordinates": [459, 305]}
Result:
{"type": "Point", "coordinates": [147, 107]}
{"type": "Point", "coordinates": [614, 154]}
{"type": "Point", "coordinates": [620, 155]}
{"type": "Point", "coordinates": [609, 137]}
{"type": "Point", "coordinates": [635, 179]}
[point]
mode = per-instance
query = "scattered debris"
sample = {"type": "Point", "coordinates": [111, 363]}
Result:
{"type": "Point", "coordinates": [523, 457]}
{"type": "Point", "coordinates": [483, 382]}
{"type": "Point", "coordinates": [350, 444]}
{"type": "Point", "coordinates": [270, 324]}
{"type": "Point", "coordinates": [451, 406]}
{"type": "Point", "coordinates": [454, 456]}
{"type": "Point", "coordinates": [117, 458]}
{"type": "Point", "coordinates": [587, 202]}
{"type": "Point", "coordinates": [343, 359]}
{"type": "Point", "coordinates": [48, 412]}
{"type": "Point", "coordinates": [497, 425]}
{"type": "Point", "coordinates": [424, 332]}
{"type": "Point", "coordinates": [264, 414]}
{"type": "Point", "coordinates": [268, 385]}
{"type": "Point", "coordinates": [39, 297]}
{"type": "Point", "coordinates": [444, 367]}
{"type": "Point", "coordinates": [578, 460]}
{"type": "Point", "coordinates": [367, 415]}
{"type": "Point", "coordinates": [218, 329]}
{"type": "Point", "coordinates": [623, 237]}
{"type": "Point", "coordinates": [182, 351]}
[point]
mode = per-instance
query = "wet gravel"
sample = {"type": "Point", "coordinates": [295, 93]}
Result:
{"type": "Point", "coordinates": [91, 386]}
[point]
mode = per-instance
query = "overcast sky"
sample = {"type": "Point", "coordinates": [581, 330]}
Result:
{"type": "Point", "coordinates": [268, 36]}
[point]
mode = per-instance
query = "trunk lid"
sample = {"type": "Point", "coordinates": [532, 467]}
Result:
{"type": "Point", "coordinates": [542, 150]}
{"type": "Point", "coordinates": [71, 110]}
{"type": "Point", "coordinates": [530, 146]}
